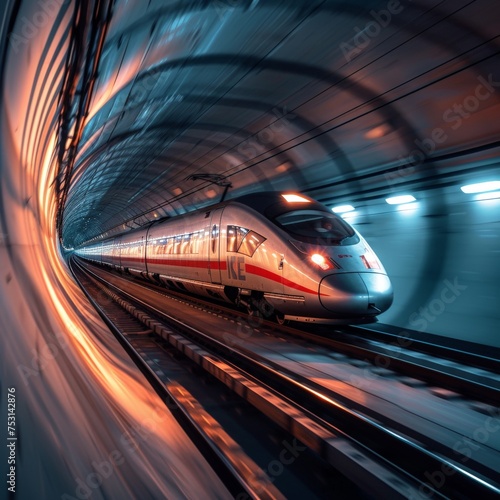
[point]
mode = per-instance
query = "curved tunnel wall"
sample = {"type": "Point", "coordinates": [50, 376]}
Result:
{"type": "Point", "coordinates": [76, 390]}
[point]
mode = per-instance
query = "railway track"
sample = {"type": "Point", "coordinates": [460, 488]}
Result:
{"type": "Point", "coordinates": [145, 341]}
{"type": "Point", "coordinates": [384, 455]}
{"type": "Point", "coordinates": [463, 368]}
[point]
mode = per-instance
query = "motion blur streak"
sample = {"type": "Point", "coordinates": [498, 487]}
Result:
{"type": "Point", "coordinates": [87, 424]}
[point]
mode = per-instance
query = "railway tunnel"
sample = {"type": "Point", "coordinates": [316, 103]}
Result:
{"type": "Point", "coordinates": [116, 114]}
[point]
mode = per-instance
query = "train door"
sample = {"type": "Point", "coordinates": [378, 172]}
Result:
{"type": "Point", "coordinates": [214, 246]}
{"type": "Point", "coordinates": [142, 250]}
{"type": "Point", "coordinates": [148, 246]}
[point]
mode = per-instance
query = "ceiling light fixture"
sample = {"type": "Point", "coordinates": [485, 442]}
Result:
{"type": "Point", "coordinates": [283, 167]}
{"type": "Point", "coordinates": [342, 209]}
{"type": "Point", "coordinates": [399, 200]}
{"type": "Point", "coordinates": [378, 131]}
{"type": "Point", "coordinates": [491, 195]}
{"type": "Point", "coordinates": [480, 187]}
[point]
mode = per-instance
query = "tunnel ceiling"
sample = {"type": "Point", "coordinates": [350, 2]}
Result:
{"type": "Point", "coordinates": [167, 102]}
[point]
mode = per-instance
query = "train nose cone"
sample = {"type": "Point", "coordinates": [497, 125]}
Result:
{"type": "Point", "coordinates": [379, 288]}
{"type": "Point", "coordinates": [356, 293]}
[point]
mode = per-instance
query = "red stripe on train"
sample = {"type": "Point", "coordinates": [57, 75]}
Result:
{"type": "Point", "coordinates": [264, 273]}
{"type": "Point", "coordinates": [222, 266]}
{"type": "Point", "coordinates": [200, 264]}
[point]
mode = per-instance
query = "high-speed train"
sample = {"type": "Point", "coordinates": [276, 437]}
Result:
{"type": "Point", "coordinates": [276, 253]}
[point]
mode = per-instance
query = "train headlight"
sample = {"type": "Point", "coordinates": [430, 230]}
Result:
{"type": "Point", "coordinates": [321, 261]}
{"type": "Point", "coordinates": [370, 260]}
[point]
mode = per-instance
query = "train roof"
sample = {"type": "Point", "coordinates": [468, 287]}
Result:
{"type": "Point", "coordinates": [273, 203]}
{"type": "Point", "coordinates": [268, 203]}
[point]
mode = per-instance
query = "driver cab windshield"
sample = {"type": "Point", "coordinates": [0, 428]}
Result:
{"type": "Point", "coordinates": [316, 226]}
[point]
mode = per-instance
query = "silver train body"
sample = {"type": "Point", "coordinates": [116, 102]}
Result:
{"type": "Point", "coordinates": [274, 253]}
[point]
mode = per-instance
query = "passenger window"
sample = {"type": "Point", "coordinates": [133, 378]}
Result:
{"type": "Point", "coordinates": [185, 243]}
{"type": "Point", "coordinates": [235, 235]}
{"type": "Point", "coordinates": [250, 243]}
{"type": "Point", "coordinates": [177, 244]}
{"type": "Point", "coordinates": [215, 233]}
{"type": "Point", "coordinates": [231, 239]}
{"type": "Point", "coordinates": [242, 240]}
{"type": "Point", "coordinates": [194, 242]}
{"type": "Point", "coordinates": [195, 238]}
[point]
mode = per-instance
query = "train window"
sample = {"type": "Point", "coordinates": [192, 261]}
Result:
{"type": "Point", "coordinates": [215, 233]}
{"type": "Point", "coordinates": [169, 247]}
{"type": "Point", "coordinates": [177, 244]}
{"type": "Point", "coordinates": [231, 239]}
{"type": "Point", "coordinates": [235, 235]}
{"type": "Point", "coordinates": [195, 242]}
{"type": "Point", "coordinates": [185, 243]}
{"type": "Point", "coordinates": [316, 226]}
{"type": "Point", "coordinates": [250, 243]}
{"type": "Point", "coordinates": [242, 240]}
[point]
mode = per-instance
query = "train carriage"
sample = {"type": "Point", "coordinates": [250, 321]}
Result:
{"type": "Point", "coordinates": [280, 253]}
